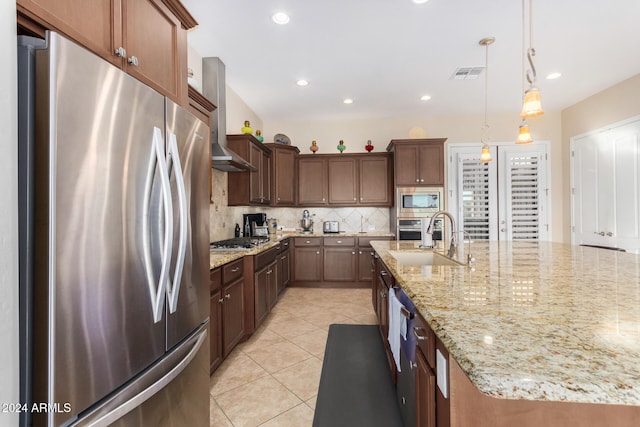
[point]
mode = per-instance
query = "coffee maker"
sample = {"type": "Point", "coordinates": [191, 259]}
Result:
{"type": "Point", "coordinates": [255, 225]}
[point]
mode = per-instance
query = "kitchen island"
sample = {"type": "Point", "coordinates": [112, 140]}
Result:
{"type": "Point", "coordinates": [540, 322]}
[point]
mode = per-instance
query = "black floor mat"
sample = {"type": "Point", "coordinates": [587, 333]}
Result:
{"type": "Point", "coordinates": [355, 384]}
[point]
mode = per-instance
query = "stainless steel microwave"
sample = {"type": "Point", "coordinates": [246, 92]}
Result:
{"type": "Point", "coordinates": [419, 201]}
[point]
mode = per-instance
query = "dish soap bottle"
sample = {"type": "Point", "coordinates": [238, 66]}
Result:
{"type": "Point", "coordinates": [237, 231]}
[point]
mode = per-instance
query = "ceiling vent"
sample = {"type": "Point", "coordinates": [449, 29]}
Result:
{"type": "Point", "coordinates": [467, 73]}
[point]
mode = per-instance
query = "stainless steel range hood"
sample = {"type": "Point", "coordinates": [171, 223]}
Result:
{"type": "Point", "coordinates": [213, 85]}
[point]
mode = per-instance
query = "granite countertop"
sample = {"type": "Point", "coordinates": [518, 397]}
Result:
{"type": "Point", "coordinates": [219, 258]}
{"type": "Point", "coordinates": [535, 321]}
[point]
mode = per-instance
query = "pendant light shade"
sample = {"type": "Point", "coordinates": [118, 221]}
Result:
{"type": "Point", "coordinates": [524, 134]}
{"type": "Point", "coordinates": [531, 106]}
{"type": "Point", "coordinates": [485, 154]}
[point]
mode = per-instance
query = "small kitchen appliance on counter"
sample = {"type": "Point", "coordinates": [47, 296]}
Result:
{"type": "Point", "coordinates": [306, 223]}
{"type": "Point", "coordinates": [330, 227]}
{"type": "Point", "coordinates": [255, 225]}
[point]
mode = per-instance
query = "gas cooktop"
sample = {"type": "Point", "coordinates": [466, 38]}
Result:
{"type": "Point", "coordinates": [238, 243]}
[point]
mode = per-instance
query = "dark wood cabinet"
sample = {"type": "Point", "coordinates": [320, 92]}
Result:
{"type": "Point", "coordinates": [215, 319]}
{"type": "Point", "coordinates": [307, 259]}
{"type": "Point", "coordinates": [284, 265]}
{"type": "Point", "coordinates": [418, 162]}
{"type": "Point", "coordinates": [375, 180]}
{"type": "Point", "coordinates": [343, 180]}
{"type": "Point", "coordinates": [283, 174]}
{"type": "Point", "coordinates": [226, 325]}
{"type": "Point", "coordinates": [312, 181]}
{"type": "Point", "coordinates": [262, 284]}
{"type": "Point", "coordinates": [425, 392]}
{"type": "Point", "coordinates": [340, 260]}
{"type": "Point", "coordinates": [232, 315]}
{"type": "Point", "coordinates": [146, 38]}
{"type": "Point", "coordinates": [250, 187]}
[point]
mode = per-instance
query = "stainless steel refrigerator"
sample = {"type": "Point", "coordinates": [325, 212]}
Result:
{"type": "Point", "coordinates": [116, 314]}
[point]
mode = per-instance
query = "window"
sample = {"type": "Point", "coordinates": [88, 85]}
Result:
{"type": "Point", "coordinates": [505, 199]}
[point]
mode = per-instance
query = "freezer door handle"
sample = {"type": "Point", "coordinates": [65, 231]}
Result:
{"type": "Point", "coordinates": [108, 415]}
{"type": "Point", "coordinates": [157, 288]}
{"type": "Point", "coordinates": [173, 160]}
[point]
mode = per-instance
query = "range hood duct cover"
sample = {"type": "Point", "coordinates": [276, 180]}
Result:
{"type": "Point", "coordinates": [213, 85]}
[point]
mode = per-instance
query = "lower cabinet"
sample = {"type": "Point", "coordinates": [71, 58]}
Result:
{"type": "Point", "coordinates": [284, 269]}
{"type": "Point", "coordinates": [425, 392]}
{"type": "Point", "coordinates": [265, 283]}
{"type": "Point", "coordinates": [333, 261]}
{"type": "Point", "coordinates": [226, 325]}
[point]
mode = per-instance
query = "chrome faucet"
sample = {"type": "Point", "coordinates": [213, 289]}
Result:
{"type": "Point", "coordinates": [453, 246]}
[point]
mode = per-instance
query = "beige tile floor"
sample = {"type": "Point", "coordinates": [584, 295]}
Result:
{"type": "Point", "coordinates": [272, 379]}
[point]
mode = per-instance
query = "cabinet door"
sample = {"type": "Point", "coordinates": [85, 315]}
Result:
{"type": "Point", "coordinates": [343, 177]}
{"type": "Point", "coordinates": [215, 330]}
{"type": "Point", "coordinates": [425, 392]}
{"type": "Point", "coordinates": [154, 37]}
{"type": "Point", "coordinates": [284, 270]}
{"type": "Point", "coordinates": [255, 179]}
{"type": "Point", "coordinates": [265, 180]}
{"type": "Point", "coordinates": [375, 189]}
{"type": "Point", "coordinates": [365, 271]}
{"type": "Point", "coordinates": [312, 182]}
{"type": "Point", "coordinates": [284, 177]}
{"type": "Point", "coordinates": [232, 315]}
{"type": "Point", "coordinates": [261, 292]}
{"type": "Point", "coordinates": [272, 284]}
{"type": "Point", "coordinates": [95, 24]}
{"type": "Point", "coordinates": [431, 169]}
{"type": "Point", "coordinates": [308, 264]}
{"type": "Point", "coordinates": [340, 264]}
{"type": "Point", "coordinates": [406, 165]}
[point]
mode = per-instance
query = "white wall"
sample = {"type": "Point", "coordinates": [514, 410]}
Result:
{"type": "Point", "coordinates": [8, 215]}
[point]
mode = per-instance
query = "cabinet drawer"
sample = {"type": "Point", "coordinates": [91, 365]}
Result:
{"type": "Point", "coordinates": [283, 245]}
{"type": "Point", "coordinates": [264, 258]}
{"type": "Point", "coordinates": [232, 271]}
{"type": "Point", "coordinates": [307, 241]}
{"type": "Point", "coordinates": [340, 241]}
{"type": "Point", "coordinates": [215, 279]}
{"type": "Point", "coordinates": [426, 340]}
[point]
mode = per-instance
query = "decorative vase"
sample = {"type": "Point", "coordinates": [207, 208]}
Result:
{"type": "Point", "coordinates": [314, 147]}
{"type": "Point", "coordinates": [368, 147]}
{"type": "Point", "coordinates": [247, 128]}
{"type": "Point", "coordinates": [341, 147]}
{"type": "Point", "coordinates": [259, 136]}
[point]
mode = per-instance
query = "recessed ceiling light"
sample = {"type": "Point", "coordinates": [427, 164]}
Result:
{"type": "Point", "coordinates": [280, 18]}
{"type": "Point", "coordinates": [425, 97]}
{"type": "Point", "coordinates": [554, 76]}
{"type": "Point", "coordinates": [419, 1]}
{"type": "Point", "coordinates": [302, 82]}
{"type": "Point", "coordinates": [348, 101]}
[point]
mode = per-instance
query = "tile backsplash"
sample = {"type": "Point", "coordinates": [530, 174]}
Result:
{"type": "Point", "coordinates": [223, 218]}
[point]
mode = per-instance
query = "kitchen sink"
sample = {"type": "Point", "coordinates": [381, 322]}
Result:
{"type": "Point", "coordinates": [426, 257]}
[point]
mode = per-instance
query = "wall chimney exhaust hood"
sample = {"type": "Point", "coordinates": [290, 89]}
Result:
{"type": "Point", "coordinates": [213, 87]}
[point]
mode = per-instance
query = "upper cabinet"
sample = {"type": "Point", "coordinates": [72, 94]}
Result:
{"type": "Point", "coordinates": [345, 180]}
{"type": "Point", "coordinates": [146, 38]}
{"type": "Point", "coordinates": [418, 162]}
{"type": "Point", "coordinates": [250, 188]}
{"type": "Point", "coordinates": [283, 174]}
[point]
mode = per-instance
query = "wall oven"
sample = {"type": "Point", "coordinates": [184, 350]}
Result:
{"type": "Point", "coordinates": [419, 202]}
{"type": "Point", "coordinates": [411, 228]}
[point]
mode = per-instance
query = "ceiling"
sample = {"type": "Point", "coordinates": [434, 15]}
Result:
{"type": "Point", "coordinates": [386, 54]}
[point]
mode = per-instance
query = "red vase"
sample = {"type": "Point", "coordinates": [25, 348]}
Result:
{"type": "Point", "coordinates": [368, 147]}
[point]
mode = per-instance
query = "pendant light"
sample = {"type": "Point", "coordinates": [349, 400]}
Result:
{"type": "Point", "coordinates": [531, 107]}
{"type": "Point", "coordinates": [524, 133]}
{"type": "Point", "coordinates": [485, 155]}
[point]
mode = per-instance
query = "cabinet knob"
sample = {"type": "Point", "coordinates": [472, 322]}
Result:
{"type": "Point", "coordinates": [278, 198]}
{"type": "Point", "coordinates": [120, 52]}
{"type": "Point", "coordinates": [318, 253]}
{"type": "Point", "coordinates": [235, 269]}
{"type": "Point", "coordinates": [228, 296]}
{"type": "Point", "coordinates": [417, 180]}
{"type": "Point", "coordinates": [354, 199]}
{"type": "Point", "coordinates": [413, 365]}
{"type": "Point", "coordinates": [353, 253]}
{"type": "Point", "coordinates": [609, 234]}
{"type": "Point", "coordinates": [221, 300]}
{"type": "Point", "coordinates": [359, 252]}
{"type": "Point", "coordinates": [422, 180]}
{"type": "Point", "coordinates": [283, 258]}
{"type": "Point", "coordinates": [307, 242]}
{"type": "Point", "coordinates": [133, 60]}
{"type": "Point", "coordinates": [338, 241]}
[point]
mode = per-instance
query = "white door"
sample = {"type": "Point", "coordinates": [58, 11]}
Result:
{"type": "Point", "coordinates": [505, 199]}
{"type": "Point", "coordinates": [605, 183]}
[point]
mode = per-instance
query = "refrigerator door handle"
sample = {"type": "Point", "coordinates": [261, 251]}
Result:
{"type": "Point", "coordinates": [157, 288]}
{"type": "Point", "coordinates": [102, 419]}
{"type": "Point", "coordinates": [173, 289]}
